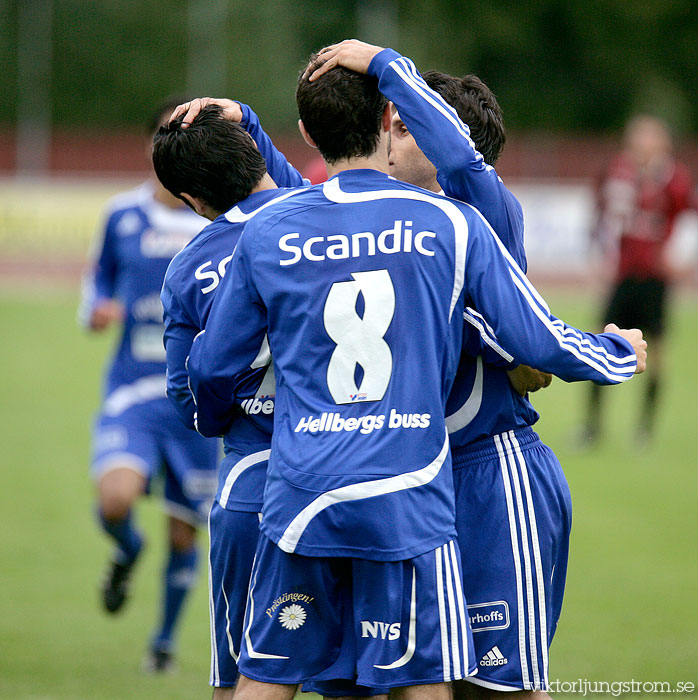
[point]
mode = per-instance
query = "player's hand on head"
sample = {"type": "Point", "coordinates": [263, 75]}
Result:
{"type": "Point", "coordinates": [105, 313]}
{"type": "Point", "coordinates": [525, 379]}
{"type": "Point", "coordinates": [634, 337]}
{"type": "Point", "coordinates": [189, 110]}
{"type": "Point", "coordinates": [351, 53]}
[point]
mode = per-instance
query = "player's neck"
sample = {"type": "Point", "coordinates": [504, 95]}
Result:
{"type": "Point", "coordinates": [266, 183]}
{"type": "Point", "coordinates": [433, 186]}
{"type": "Point", "coordinates": [377, 161]}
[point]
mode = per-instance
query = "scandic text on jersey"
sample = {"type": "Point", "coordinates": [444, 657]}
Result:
{"type": "Point", "coordinates": [398, 239]}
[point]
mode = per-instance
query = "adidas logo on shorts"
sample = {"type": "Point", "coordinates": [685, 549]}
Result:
{"type": "Point", "coordinates": [493, 657]}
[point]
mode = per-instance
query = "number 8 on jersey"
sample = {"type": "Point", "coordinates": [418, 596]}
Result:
{"type": "Point", "coordinates": [360, 338]}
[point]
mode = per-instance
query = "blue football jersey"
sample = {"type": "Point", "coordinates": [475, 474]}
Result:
{"type": "Point", "coordinates": [140, 237]}
{"type": "Point", "coordinates": [360, 285]}
{"type": "Point", "coordinates": [482, 402]}
{"type": "Point", "coordinates": [190, 285]}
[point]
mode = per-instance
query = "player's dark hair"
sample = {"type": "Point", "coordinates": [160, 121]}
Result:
{"type": "Point", "coordinates": [162, 112]}
{"type": "Point", "coordinates": [213, 159]}
{"type": "Point", "coordinates": [477, 107]}
{"type": "Point", "coordinates": [341, 111]}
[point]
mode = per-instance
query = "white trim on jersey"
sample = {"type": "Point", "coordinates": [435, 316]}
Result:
{"type": "Point", "coordinates": [465, 414]}
{"type": "Point", "coordinates": [236, 215]}
{"type": "Point", "coordinates": [478, 321]}
{"type": "Point", "coordinates": [268, 385]}
{"type": "Point", "coordinates": [238, 468]}
{"type": "Point", "coordinates": [263, 356]}
{"type": "Point", "coordinates": [142, 390]}
{"type": "Point", "coordinates": [594, 356]}
{"type": "Point", "coordinates": [334, 193]}
{"type": "Point", "coordinates": [588, 358]}
{"type": "Point", "coordinates": [355, 492]}
{"type": "Point", "coordinates": [411, 633]}
{"type": "Point", "coordinates": [576, 337]}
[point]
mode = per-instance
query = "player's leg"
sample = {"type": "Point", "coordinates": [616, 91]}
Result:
{"type": "Point", "coordinates": [345, 690]}
{"type": "Point", "coordinates": [233, 539]}
{"type": "Point", "coordinates": [117, 489]}
{"type": "Point", "coordinates": [119, 485]}
{"type": "Point", "coordinates": [190, 463]}
{"type": "Point", "coordinates": [378, 696]}
{"type": "Point", "coordinates": [618, 306]}
{"type": "Point", "coordinates": [121, 482]}
{"type": "Point", "coordinates": [468, 691]}
{"type": "Point", "coordinates": [179, 576]}
{"type": "Point", "coordinates": [513, 514]}
{"type": "Point", "coordinates": [248, 689]}
{"type": "Point", "coordinates": [442, 691]}
{"type": "Point", "coordinates": [295, 625]}
{"type": "Point", "coordinates": [123, 457]}
{"type": "Point", "coordinates": [651, 302]}
{"type": "Point", "coordinates": [648, 416]}
{"type": "Point", "coordinates": [594, 414]}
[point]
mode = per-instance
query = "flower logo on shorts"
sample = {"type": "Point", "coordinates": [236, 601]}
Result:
{"type": "Point", "coordinates": [292, 617]}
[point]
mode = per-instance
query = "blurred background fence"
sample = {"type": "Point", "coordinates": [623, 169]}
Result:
{"type": "Point", "coordinates": [80, 78]}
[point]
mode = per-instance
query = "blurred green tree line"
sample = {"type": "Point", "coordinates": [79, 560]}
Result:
{"type": "Point", "coordinates": [556, 65]}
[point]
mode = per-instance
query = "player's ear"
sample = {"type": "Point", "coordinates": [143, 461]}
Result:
{"type": "Point", "coordinates": [195, 203]}
{"type": "Point", "coordinates": [387, 117]}
{"type": "Point", "coordinates": [306, 136]}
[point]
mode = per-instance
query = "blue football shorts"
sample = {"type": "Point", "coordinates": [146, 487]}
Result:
{"type": "Point", "coordinates": [233, 533]}
{"type": "Point", "coordinates": [513, 517]}
{"type": "Point", "coordinates": [150, 439]}
{"type": "Point", "coordinates": [376, 624]}
{"type": "Point", "coordinates": [233, 540]}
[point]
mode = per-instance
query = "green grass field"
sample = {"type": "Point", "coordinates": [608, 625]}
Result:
{"type": "Point", "coordinates": [630, 610]}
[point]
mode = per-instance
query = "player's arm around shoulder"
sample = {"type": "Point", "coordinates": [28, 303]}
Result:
{"type": "Point", "coordinates": [229, 344]}
{"type": "Point", "coordinates": [179, 333]}
{"type": "Point", "coordinates": [525, 327]}
{"type": "Point", "coordinates": [446, 140]}
{"type": "Point", "coordinates": [280, 170]}
{"type": "Point", "coordinates": [436, 126]}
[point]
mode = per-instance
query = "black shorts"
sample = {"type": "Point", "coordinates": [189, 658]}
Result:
{"type": "Point", "coordinates": [638, 304]}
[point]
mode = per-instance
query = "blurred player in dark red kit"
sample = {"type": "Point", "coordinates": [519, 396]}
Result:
{"type": "Point", "coordinates": [643, 191]}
